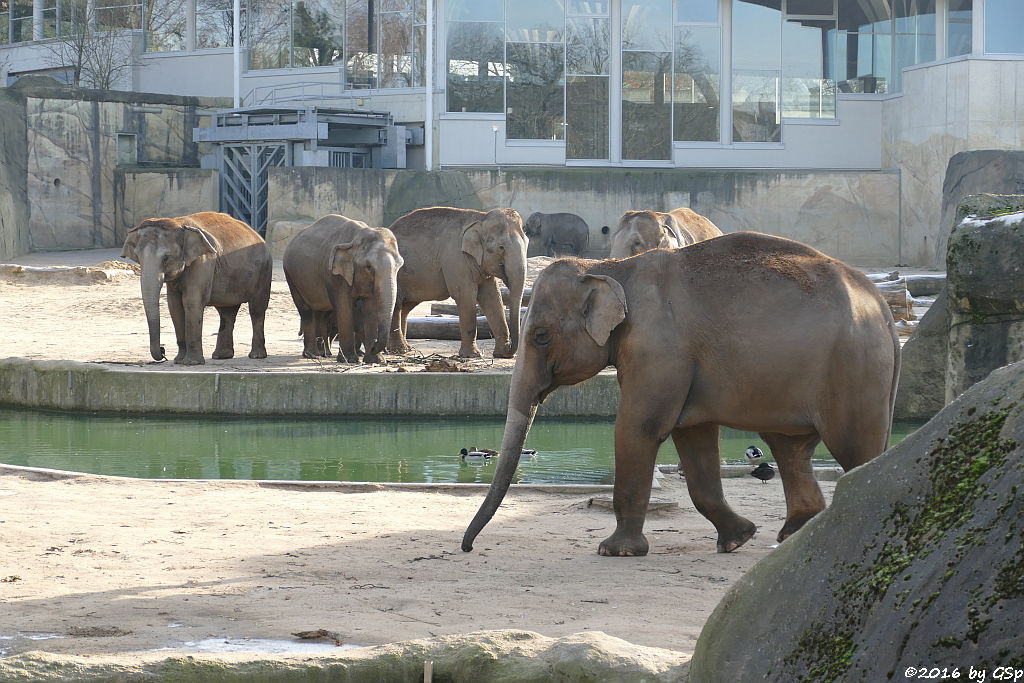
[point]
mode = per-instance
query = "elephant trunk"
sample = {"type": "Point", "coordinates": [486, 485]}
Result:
{"type": "Point", "coordinates": [387, 294]}
{"type": "Point", "coordinates": [152, 283]}
{"type": "Point", "coordinates": [516, 282]}
{"type": "Point", "coordinates": [522, 407]}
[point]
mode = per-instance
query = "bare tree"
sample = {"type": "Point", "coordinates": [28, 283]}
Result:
{"type": "Point", "coordinates": [97, 56]}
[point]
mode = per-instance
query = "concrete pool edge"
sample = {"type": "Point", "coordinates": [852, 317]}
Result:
{"type": "Point", "coordinates": [95, 387]}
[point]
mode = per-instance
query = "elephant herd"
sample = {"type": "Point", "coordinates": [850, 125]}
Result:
{"type": "Point", "coordinates": [743, 330]}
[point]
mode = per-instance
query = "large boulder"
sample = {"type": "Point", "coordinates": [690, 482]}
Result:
{"type": "Point", "coordinates": [918, 562]}
{"type": "Point", "coordinates": [985, 283]}
{"type": "Point", "coordinates": [922, 389]}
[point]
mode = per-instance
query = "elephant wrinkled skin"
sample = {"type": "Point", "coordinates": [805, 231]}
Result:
{"type": "Point", "coordinates": [342, 275]}
{"type": "Point", "coordinates": [638, 231]}
{"type": "Point", "coordinates": [557, 234]}
{"type": "Point", "coordinates": [459, 253]}
{"type": "Point", "coordinates": [206, 259]}
{"type": "Point", "coordinates": [749, 331]}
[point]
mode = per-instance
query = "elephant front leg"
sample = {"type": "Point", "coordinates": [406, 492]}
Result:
{"type": "Point", "coordinates": [635, 455]}
{"type": "Point", "coordinates": [258, 349]}
{"type": "Point", "coordinates": [466, 304]}
{"type": "Point", "coordinates": [698, 454]}
{"type": "Point", "coordinates": [345, 317]}
{"type": "Point", "coordinates": [489, 297]}
{"type": "Point", "coordinates": [226, 333]}
{"type": "Point", "coordinates": [177, 310]}
{"type": "Point", "coordinates": [397, 340]}
{"type": "Point", "coordinates": [803, 495]}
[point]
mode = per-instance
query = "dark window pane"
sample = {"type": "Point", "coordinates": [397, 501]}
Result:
{"type": "Point", "coordinates": [317, 33]}
{"type": "Point", "coordinates": [395, 49]}
{"type": "Point", "coordinates": [646, 105]}
{"type": "Point", "coordinates": [476, 70]}
{"type": "Point", "coordinates": [817, 8]}
{"type": "Point", "coordinates": [534, 97]}
{"type": "Point", "coordinates": [419, 54]}
{"type": "Point", "coordinates": [755, 106]}
{"type": "Point", "coordinates": [698, 11]}
{"type": "Point", "coordinates": [268, 33]}
{"type": "Point", "coordinates": [587, 45]}
{"type": "Point", "coordinates": [586, 115]}
{"type": "Point", "coordinates": [697, 79]}
{"type": "Point", "coordinates": [165, 25]}
{"type": "Point", "coordinates": [647, 25]}
{"type": "Point", "coordinates": [534, 21]}
{"type": "Point", "coordinates": [475, 10]}
{"type": "Point", "coordinates": [360, 45]}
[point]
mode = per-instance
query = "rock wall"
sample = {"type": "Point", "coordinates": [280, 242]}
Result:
{"type": "Point", "coordinates": [918, 562]}
{"type": "Point", "coordinates": [985, 282]}
{"type": "Point", "coordinates": [143, 193]}
{"type": "Point", "coordinates": [922, 389]}
{"type": "Point", "coordinates": [849, 215]}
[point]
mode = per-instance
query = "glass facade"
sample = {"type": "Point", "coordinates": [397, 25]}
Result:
{"type": "Point", "coordinates": [1004, 27]}
{"type": "Point", "coordinates": [756, 71]}
{"type": "Point", "coordinates": [959, 18]}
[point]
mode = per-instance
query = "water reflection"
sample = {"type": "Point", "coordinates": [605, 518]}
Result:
{"type": "Point", "coordinates": [382, 450]}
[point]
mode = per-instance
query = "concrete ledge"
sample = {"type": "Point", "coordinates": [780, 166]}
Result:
{"type": "Point", "coordinates": [74, 386]}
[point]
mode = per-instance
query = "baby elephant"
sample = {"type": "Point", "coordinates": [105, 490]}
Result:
{"type": "Point", "coordinates": [206, 259]}
{"type": "Point", "coordinates": [639, 231]}
{"type": "Point", "coordinates": [557, 234]}
{"type": "Point", "coordinates": [343, 278]}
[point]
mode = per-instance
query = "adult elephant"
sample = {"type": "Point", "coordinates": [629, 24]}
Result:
{"type": "Point", "coordinates": [343, 278]}
{"type": "Point", "coordinates": [557, 234]}
{"type": "Point", "coordinates": [750, 331]}
{"type": "Point", "coordinates": [639, 231]}
{"type": "Point", "coordinates": [462, 253]}
{"type": "Point", "coordinates": [206, 259]}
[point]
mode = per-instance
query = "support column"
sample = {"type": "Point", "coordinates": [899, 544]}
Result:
{"type": "Point", "coordinates": [38, 27]}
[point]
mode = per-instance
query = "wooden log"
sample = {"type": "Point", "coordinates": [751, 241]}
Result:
{"type": "Point", "coordinates": [926, 285]}
{"type": "Point", "coordinates": [443, 327]}
{"type": "Point", "coordinates": [452, 309]}
{"type": "Point", "coordinates": [895, 294]}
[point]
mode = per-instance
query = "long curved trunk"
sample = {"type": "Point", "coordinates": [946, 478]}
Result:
{"type": "Point", "coordinates": [516, 284]}
{"type": "Point", "coordinates": [522, 408]}
{"type": "Point", "coordinates": [387, 294]}
{"type": "Point", "coordinates": [152, 283]}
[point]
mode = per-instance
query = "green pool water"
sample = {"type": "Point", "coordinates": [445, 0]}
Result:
{"type": "Point", "coordinates": [377, 450]}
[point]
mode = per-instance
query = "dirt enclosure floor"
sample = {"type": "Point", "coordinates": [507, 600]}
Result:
{"type": "Point", "coordinates": [103, 565]}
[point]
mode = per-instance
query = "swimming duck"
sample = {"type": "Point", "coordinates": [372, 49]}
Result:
{"type": "Point", "coordinates": [488, 451]}
{"type": "Point", "coordinates": [764, 472]}
{"type": "Point", "coordinates": [754, 455]}
{"type": "Point", "coordinates": [474, 454]}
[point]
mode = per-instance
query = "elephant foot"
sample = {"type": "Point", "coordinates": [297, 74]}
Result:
{"type": "Point", "coordinates": [311, 354]}
{"type": "Point", "coordinates": [623, 545]}
{"type": "Point", "coordinates": [190, 361]}
{"type": "Point", "coordinates": [791, 526]}
{"type": "Point", "coordinates": [504, 351]}
{"type": "Point", "coordinates": [258, 353]}
{"type": "Point", "coordinates": [471, 353]}
{"type": "Point", "coordinates": [727, 542]}
{"type": "Point", "coordinates": [350, 359]}
{"type": "Point", "coordinates": [223, 355]}
{"type": "Point", "coordinates": [373, 359]}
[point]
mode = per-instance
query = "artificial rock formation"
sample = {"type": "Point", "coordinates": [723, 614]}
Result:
{"type": "Point", "coordinates": [922, 390]}
{"type": "Point", "coordinates": [985, 284]}
{"type": "Point", "coordinates": [918, 561]}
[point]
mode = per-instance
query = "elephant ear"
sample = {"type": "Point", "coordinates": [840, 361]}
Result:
{"type": "Point", "coordinates": [131, 243]}
{"type": "Point", "coordinates": [197, 243]}
{"type": "Point", "coordinates": [674, 234]}
{"type": "Point", "coordinates": [604, 306]}
{"type": "Point", "coordinates": [343, 261]}
{"type": "Point", "coordinates": [473, 241]}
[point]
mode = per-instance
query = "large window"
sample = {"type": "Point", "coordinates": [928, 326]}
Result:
{"type": "Point", "coordinates": [214, 23]}
{"type": "Point", "coordinates": [697, 83]}
{"type": "Point", "coordinates": [535, 72]}
{"type": "Point", "coordinates": [647, 45]}
{"type": "Point", "coordinates": [476, 56]}
{"type": "Point", "coordinates": [1004, 20]}
{"type": "Point", "coordinates": [809, 59]}
{"type": "Point", "coordinates": [165, 25]}
{"type": "Point", "coordinates": [588, 65]}
{"type": "Point", "coordinates": [756, 70]}
{"type": "Point", "coordinates": [959, 27]}
{"type": "Point", "coordinates": [878, 39]}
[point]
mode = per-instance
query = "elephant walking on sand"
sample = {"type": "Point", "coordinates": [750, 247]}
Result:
{"type": "Point", "coordinates": [557, 234]}
{"type": "Point", "coordinates": [342, 275]}
{"type": "Point", "coordinates": [749, 331]}
{"type": "Point", "coordinates": [461, 253]}
{"type": "Point", "coordinates": [206, 259]}
{"type": "Point", "coordinates": [638, 231]}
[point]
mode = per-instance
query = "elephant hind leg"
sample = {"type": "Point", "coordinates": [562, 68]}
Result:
{"type": "Point", "coordinates": [698, 454]}
{"type": "Point", "coordinates": [803, 495]}
{"type": "Point", "coordinates": [859, 439]}
{"type": "Point", "coordinates": [226, 334]}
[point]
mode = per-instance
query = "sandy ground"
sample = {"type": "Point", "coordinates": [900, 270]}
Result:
{"type": "Point", "coordinates": [103, 565]}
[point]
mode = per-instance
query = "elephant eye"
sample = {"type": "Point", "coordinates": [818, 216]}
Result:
{"type": "Point", "coordinates": [541, 336]}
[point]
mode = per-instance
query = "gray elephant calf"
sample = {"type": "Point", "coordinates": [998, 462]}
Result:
{"type": "Point", "coordinates": [342, 276]}
{"type": "Point", "coordinates": [639, 231]}
{"type": "Point", "coordinates": [557, 234]}
{"type": "Point", "coordinates": [206, 259]}
{"type": "Point", "coordinates": [458, 253]}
